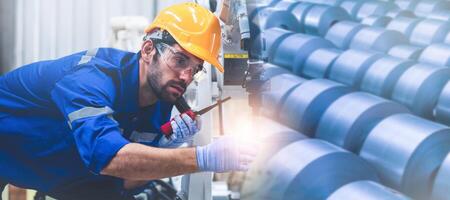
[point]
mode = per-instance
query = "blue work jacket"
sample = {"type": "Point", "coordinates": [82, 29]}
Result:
{"type": "Point", "coordinates": [63, 120]}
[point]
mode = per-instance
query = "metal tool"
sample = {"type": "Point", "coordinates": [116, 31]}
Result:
{"type": "Point", "coordinates": [183, 107]}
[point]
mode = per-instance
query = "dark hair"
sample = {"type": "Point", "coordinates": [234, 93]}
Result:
{"type": "Point", "coordinates": [161, 36]}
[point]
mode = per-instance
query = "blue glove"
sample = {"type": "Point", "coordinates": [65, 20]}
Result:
{"type": "Point", "coordinates": [184, 128]}
{"type": "Point", "coordinates": [224, 155]}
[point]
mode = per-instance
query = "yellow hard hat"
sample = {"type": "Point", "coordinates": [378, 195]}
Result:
{"type": "Point", "coordinates": [195, 29]}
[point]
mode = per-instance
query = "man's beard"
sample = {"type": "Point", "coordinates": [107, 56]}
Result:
{"type": "Point", "coordinates": [161, 91]}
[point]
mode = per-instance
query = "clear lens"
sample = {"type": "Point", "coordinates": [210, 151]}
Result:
{"type": "Point", "coordinates": [180, 62]}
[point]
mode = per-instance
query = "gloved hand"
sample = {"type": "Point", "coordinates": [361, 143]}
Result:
{"type": "Point", "coordinates": [184, 128]}
{"type": "Point", "coordinates": [223, 155]}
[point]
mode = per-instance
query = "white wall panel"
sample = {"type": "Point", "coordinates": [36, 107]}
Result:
{"type": "Point", "coordinates": [48, 29]}
{"type": "Point", "coordinates": [64, 28]}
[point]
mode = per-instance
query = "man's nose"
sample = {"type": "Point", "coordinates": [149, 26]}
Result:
{"type": "Point", "coordinates": [186, 78]}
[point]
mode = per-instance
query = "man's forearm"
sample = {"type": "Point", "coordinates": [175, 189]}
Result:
{"type": "Point", "coordinates": [139, 162]}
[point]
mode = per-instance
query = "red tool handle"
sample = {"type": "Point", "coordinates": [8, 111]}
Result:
{"type": "Point", "coordinates": [166, 128]}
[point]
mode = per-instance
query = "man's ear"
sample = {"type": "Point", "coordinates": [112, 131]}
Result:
{"type": "Point", "coordinates": [148, 51]}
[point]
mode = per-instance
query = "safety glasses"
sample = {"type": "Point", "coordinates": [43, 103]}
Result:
{"type": "Point", "coordinates": [180, 62]}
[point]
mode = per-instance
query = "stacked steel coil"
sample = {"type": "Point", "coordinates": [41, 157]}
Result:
{"type": "Point", "coordinates": [369, 81]}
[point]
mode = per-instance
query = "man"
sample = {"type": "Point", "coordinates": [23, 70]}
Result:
{"type": "Point", "coordinates": [86, 126]}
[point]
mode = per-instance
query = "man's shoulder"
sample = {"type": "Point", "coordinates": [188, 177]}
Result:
{"type": "Point", "coordinates": [111, 58]}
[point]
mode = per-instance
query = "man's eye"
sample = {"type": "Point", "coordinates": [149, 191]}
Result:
{"type": "Point", "coordinates": [180, 60]}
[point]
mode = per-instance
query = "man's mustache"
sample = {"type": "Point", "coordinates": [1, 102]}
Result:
{"type": "Point", "coordinates": [178, 83]}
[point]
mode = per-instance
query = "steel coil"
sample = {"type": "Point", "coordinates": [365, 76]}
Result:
{"type": "Point", "coordinates": [383, 74]}
{"type": "Point", "coordinates": [318, 64]}
{"type": "Point", "coordinates": [406, 150]}
{"type": "Point", "coordinates": [276, 90]}
{"type": "Point", "coordinates": [342, 33]}
{"type": "Point", "coordinates": [367, 190]}
{"type": "Point", "coordinates": [350, 67]}
{"type": "Point", "coordinates": [272, 136]}
{"type": "Point", "coordinates": [331, 2]}
{"type": "Point", "coordinates": [394, 13]}
{"type": "Point", "coordinates": [443, 15]}
{"type": "Point", "coordinates": [441, 182]}
{"type": "Point", "coordinates": [404, 25]}
{"type": "Point", "coordinates": [324, 2]}
{"type": "Point", "coordinates": [442, 110]}
{"type": "Point", "coordinates": [286, 5]}
{"type": "Point", "coordinates": [419, 88]}
{"type": "Point", "coordinates": [312, 169]}
{"type": "Point", "coordinates": [270, 17]}
{"type": "Point", "coordinates": [254, 7]}
{"type": "Point", "coordinates": [377, 39]}
{"type": "Point", "coordinates": [369, 8]}
{"type": "Point", "coordinates": [349, 119]}
{"type": "Point", "coordinates": [406, 4]}
{"type": "Point", "coordinates": [436, 54]}
{"type": "Point", "coordinates": [429, 31]}
{"type": "Point", "coordinates": [351, 6]}
{"type": "Point", "coordinates": [425, 8]}
{"type": "Point", "coordinates": [376, 21]}
{"type": "Point", "coordinates": [304, 106]}
{"type": "Point", "coordinates": [321, 17]}
{"type": "Point", "coordinates": [264, 45]}
{"type": "Point", "coordinates": [406, 51]}
{"type": "Point", "coordinates": [447, 39]}
{"type": "Point", "coordinates": [295, 49]}
{"type": "Point", "coordinates": [270, 70]}
{"type": "Point", "coordinates": [300, 11]}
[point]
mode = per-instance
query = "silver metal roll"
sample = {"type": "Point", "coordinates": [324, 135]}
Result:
{"type": "Point", "coordinates": [286, 5]}
{"type": "Point", "coordinates": [447, 39]}
{"type": "Point", "coordinates": [367, 190]}
{"type": "Point", "coordinates": [425, 8]}
{"type": "Point", "coordinates": [377, 39]}
{"type": "Point", "coordinates": [349, 119]}
{"type": "Point", "coordinates": [276, 90]}
{"type": "Point", "coordinates": [270, 17]}
{"type": "Point", "coordinates": [271, 70]}
{"type": "Point", "coordinates": [324, 2]}
{"type": "Point", "coordinates": [419, 88]}
{"type": "Point", "coordinates": [442, 110]}
{"type": "Point", "coordinates": [350, 67]}
{"type": "Point", "coordinates": [429, 31]}
{"type": "Point", "coordinates": [376, 21]}
{"type": "Point", "coordinates": [436, 54]}
{"type": "Point", "coordinates": [383, 74]}
{"type": "Point", "coordinates": [254, 7]}
{"type": "Point", "coordinates": [394, 13]}
{"type": "Point", "coordinates": [404, 25]}
{"type": "Point", "coordinates": [342, 33]}
{"type": "Point", "coordinates": [331, 2]}
{"type": "Point", "coordinates": [300, 11]}
{"type": "Point", "coordinates": [304, 106]}
{"type": "Point", "coordinates": [264, 45]}
{"type": "Point", "coordinates": [312, 169]}
{"type": "Point", "coordinates": [272, 136]}
{"type": "Point", "coordinates": [295, 49]}
{"type": "Point", "coordinates": [406, 4]}
{"type": "Point", "coordinates": [443, 15]}
{"type": "Point", "coordinates": [318, 64]}
{"type": "Point", "coordinates": [369, 8]}
{"type": "Point", "coordinates": [351, 6]}
{"type": "Point", "coordinates": [321, 17]}
{"type": "Point", "coordinates": [406, 150]}
{"type": "Point", "coordinates": [441, 182]}
{"type": "Point", "coordinates": [406, 51]}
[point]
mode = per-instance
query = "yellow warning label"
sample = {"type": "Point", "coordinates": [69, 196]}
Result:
{"type": "Point", "coordinates": [235, 55]}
